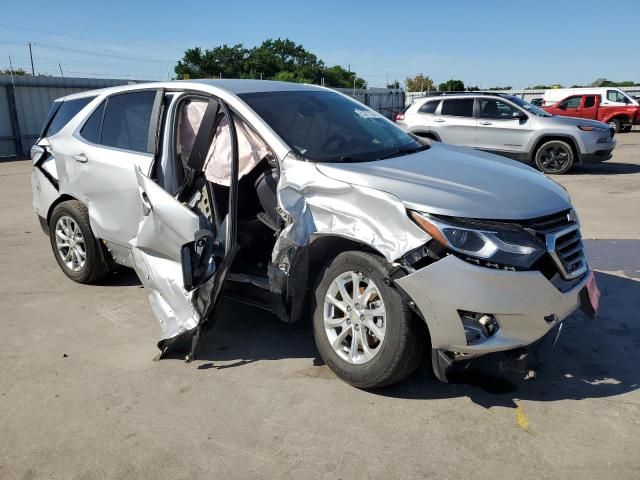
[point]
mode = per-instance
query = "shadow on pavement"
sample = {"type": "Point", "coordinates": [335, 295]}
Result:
{"type": "Point", "coordinates": [604, 168]}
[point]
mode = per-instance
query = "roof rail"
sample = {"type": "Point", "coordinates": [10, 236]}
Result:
{"type": "Point", "coordinates": [465, 92]}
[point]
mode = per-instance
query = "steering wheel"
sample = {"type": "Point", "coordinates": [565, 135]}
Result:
{"type": "Point", "coordinates": [335, 138]}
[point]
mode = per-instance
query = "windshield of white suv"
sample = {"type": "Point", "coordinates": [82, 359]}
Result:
{"type": "Point", "coordinates": [529, 107]}
{"type": "Point", "coordinates": [328, 127]}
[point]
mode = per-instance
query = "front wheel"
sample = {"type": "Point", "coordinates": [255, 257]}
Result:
{"type": "Point", "coordinates": [554, 157]}
{"type": "Point", "coordinates": [363, 330]}
{"type": "Point", "coordinates": [615, 124]}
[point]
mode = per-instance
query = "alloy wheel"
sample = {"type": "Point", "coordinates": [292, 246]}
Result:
{"type": "Point", "coordinates": [70, 243]}
{"type": "Point", "coordinates": [554, 158]}
{"type": "Point", "coordinates": [354, 317]}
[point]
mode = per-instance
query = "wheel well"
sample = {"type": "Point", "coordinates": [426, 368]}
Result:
{"type": "Point", "coordinates": [621, 118]}
{"type": "Point", "coordinates": [308, 264]}
{"type": "Point", "coordinates": [58, 201]}
{"type": "Point", "coordinates": [430, 135]}
{"type": "Point", "coordinates": [549, 138]}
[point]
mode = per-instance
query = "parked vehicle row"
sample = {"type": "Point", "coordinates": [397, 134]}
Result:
{"type": "Point", "coordinates": [621, 117]}
{"type": "Point", "coordinates": [509, 126]}
{"type": "Point", "coordinates": [309, 204]}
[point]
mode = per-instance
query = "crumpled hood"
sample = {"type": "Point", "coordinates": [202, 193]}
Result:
{"type": "Point", "coordinates": [458, 181]}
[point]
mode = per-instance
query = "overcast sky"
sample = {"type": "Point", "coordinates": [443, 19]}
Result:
{"type": "Point", "coordinates": [513, 43]}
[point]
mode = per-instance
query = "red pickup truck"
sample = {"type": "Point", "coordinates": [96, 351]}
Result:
{"type": "Point", "coordinates": [622, 118]}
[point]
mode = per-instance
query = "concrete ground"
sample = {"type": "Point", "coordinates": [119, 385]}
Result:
{"type": "Point", "coordinates": [81, 398]}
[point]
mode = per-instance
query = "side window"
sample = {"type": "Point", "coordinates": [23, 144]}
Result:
{"type": "Point", "coordinates": [615, 96]}
{"type": "Point", "coordinates": [462, 107]}
{"type": "Point", "coordinates": [429, 107]}
{"type": "Point", "coordinates": [92, 127]}
{"type": "Point", "coordinates": [65, 113]}
{"type": "Point", "coordinates": [573, 102]}
{"type": "Point", "coordinates": [126, 120]}
{"type": "Point", "coordinates": [589, 101]}
{"type": "Point", "coordinates": [490, 108]}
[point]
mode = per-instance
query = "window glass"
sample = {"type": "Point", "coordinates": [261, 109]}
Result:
{"type": "Point", "coordinates": [328, 127]}
{"type": "Point", "coordinates": [589, 101]}
{"type": "Point", "coordinates": [490, 108]}
{"type": "Point", "coordinates": [126, 120]}
{"type": "Point", "coordinates": [615, 96]}
{"type": "Point", "coordinates": [429, 107]}
{"type": "Point", "coordinates": [91, 129]}
{"type": "Point", "coordinates": [65, 113]}
{"type": "Point", "coordinates": [573, 102]}
{"type": "Point", "coordinates": [462, 107]}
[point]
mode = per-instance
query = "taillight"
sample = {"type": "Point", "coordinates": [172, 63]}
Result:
{"type": "Point", "coordinates": [399, 116]}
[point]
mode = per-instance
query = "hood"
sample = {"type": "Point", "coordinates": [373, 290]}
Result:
{"type": "Point", "coordinates": [458, 181]}
{"type": "Point", "coordinates": [575, 121]}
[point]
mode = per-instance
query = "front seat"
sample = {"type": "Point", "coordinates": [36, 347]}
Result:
{"type": "Point", "coordinates": [490, 109]}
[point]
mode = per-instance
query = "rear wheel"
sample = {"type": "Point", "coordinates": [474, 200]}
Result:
{"type": "Point", "coordinates": [615, 124]}
{"type": "Point", "coordinates": [626, 128]}
{"type": "Point", "coordinates": [364, 331]}
{"type": "Point", "coordinates": [74, 246]}
{"type": "Point", "coordinates": [554, 157]}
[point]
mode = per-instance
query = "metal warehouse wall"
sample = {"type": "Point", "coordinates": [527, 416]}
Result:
{"type": "Point", "coordinates": [25, 101]}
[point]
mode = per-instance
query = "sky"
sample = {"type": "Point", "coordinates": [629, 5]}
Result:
{"type": "Point", "coordinates": [501, 43]}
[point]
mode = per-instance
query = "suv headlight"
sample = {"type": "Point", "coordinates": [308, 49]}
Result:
{"type": "Point", "coordinates": [509, 245]}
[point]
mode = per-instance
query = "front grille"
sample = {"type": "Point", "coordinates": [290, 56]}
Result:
{"type": "Point", "coordinates": [561, 234]}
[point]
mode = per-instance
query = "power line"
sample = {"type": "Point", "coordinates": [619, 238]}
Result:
{"type": "Point", "coordinates": [99, 54]}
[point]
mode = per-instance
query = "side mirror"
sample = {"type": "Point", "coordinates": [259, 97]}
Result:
{"type": "Point", "coordinates": [518, 115]}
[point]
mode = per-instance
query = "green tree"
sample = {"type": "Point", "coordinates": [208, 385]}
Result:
{"type": "Point", "coordinates": [226, 61]}
{"type": "Point", "coordinates": [18, 72]}
{"type": "Point", "coordinates": [420, 83]}
{"type": "Point", "coordinates": [451, 86]}
{"type": "Point", "coordinates": [394, 84]}
{"type": "Point", "coordinates": [337, 76]}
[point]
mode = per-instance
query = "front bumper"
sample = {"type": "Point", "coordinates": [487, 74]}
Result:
{"type": "Point", "coordinates": [596, 157]}
{"type": "Point", "coordinates": [596, 148]}
{"type": "Point", "coordinates": [519, 301]}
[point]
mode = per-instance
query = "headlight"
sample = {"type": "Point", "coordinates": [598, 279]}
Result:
{"type": "Point", "coordinates": [504, 245]}
{"type": "Point", "coordinates": [591, 128]}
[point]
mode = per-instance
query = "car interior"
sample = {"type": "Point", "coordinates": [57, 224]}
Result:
{"type": "Point", "coordinates": [257, 220]}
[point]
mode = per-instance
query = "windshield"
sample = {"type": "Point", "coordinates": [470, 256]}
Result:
{"type": "Point", "coordinates": [529, 107]}
{"type": "Point", "coordinates": [328, 127]}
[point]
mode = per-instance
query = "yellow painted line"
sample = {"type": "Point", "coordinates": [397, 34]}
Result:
{"type": "Point", "coordinates": [521, 419]}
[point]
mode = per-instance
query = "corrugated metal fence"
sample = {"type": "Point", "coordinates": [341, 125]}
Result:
{"type": "Point", "coordinates": [25, 101]}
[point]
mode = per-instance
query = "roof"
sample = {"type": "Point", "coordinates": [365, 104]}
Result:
{"type": "Point", "coordinates": [232, 86]}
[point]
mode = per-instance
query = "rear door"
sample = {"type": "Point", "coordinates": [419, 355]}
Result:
{"type": "Point", "coordinates": [181, 257]}
{"type": "Point", "coordinates": [498, 130]}
{"type": "Point", "coordinates": [590, 107]}
{"type": "Point", "coordinates": [454, 122]}
{"type": "Point", "coordinates": [118, 138]}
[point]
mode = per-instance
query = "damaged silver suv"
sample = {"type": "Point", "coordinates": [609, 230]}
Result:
{"type": "Point", "coordinates": [303, 201]}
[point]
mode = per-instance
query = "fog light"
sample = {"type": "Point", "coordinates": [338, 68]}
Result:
{"type": "Point", "coordinates": [478, 327]}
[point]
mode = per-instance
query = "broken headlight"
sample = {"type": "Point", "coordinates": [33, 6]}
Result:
{"type": "Point", "coordinates": [489, 244]}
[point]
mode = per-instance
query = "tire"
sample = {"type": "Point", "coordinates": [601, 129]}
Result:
{"type": "Point", "coordinates": [615, 123]}
{"type": "Point", "coordinates": [69, 225]}
{"type": "Point", "coordinates": [626, 128]}
{"type": "Point", "coordinates": [554, 157]}
{"type": "Point", "coordinates": [402, 346]}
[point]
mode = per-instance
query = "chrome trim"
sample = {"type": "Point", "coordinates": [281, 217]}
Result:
{"type": "Point", "coordinates": [552, 238]}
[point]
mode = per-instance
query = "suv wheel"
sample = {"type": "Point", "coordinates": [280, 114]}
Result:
{"type": "Point", "coordinates": [74, 246]}
{"type": "Point", "coordinates": [364, 331]}
{"type": "Point", "coordinates": [554, 157]}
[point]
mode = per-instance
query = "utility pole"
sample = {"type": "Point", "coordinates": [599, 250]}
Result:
{"type": "Point", "coordinates": [60, 67]}
{"type": "Point", "coordinates": [11, 69]}
{"type": "Point", "coordinates": [33, 72]}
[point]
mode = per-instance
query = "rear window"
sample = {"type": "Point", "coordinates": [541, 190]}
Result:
{"type": "Point", "coordinates": [462, 107]}
{"type": "Point", "coordinates": [126, 120]}
{"type": "Point", "coordinates": [589, 101]}
{"type": "Point", "coordinates": [429, 107]}
{"type": "Point", "coordinates": [62, 114]}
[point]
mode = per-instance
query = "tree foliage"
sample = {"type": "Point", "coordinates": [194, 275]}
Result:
{"type": "Point", "coordinates": [18, 72]}
{"type": "Point", "coordinates": [603, 82]}
{"type": "Point", "coordinates": [279, 59]}
{"type": "Point", "coordinates": [451, 86]}
{"type": "Point", "coordinates": [420, 83]}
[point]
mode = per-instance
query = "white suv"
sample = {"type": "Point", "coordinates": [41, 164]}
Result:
{"type": "Point", "coordinates": [509, 126]}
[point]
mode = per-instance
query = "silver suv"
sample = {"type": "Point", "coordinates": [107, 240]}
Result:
{"type": "Point", "coordinates": [305, 202]}
{"type": "Point", "coordinates": [509, 126]}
